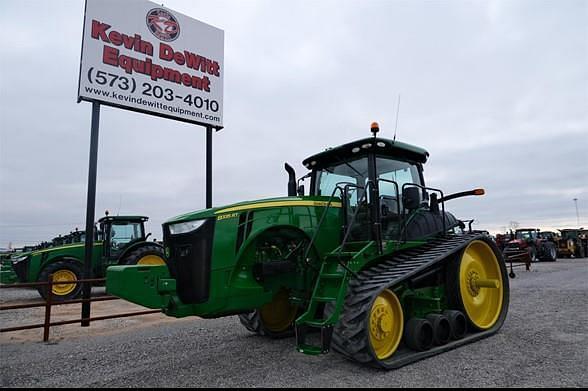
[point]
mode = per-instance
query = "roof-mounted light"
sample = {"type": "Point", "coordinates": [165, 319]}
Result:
{"type": "Point", "coordinates": [375, 128]}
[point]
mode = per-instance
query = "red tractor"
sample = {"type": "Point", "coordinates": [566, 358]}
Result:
{"type": "Point", "coordinates": [530, 241]}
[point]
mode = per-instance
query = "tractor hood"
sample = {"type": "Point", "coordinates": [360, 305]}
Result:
{"type": "Point", "coordinates": [248, 205]}
{"type": "Point", "coordinates": [518, 242]}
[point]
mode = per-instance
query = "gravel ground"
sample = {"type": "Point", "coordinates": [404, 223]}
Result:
{"type": "Point", "coordinates": [543, 343]}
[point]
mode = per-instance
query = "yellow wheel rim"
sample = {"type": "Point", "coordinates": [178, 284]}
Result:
{"type": "Point", "coordinates": [151, 260]}
{"type": "Point", "coordinates": [63, 275]}
{"type": "Point", "coordinates": [481, 285]}
{"type": "Point", "coordinates": [279, 314]}
{"type": "Point", "coordinates": [386, 324]}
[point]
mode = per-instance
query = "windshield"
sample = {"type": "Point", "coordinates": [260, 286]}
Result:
{"type": "Point", "coordinates": [122, 233]}
{"type": "Point", "coordinates": [524, 235]}
{"type": "Point", "coordinates": [354, 171]}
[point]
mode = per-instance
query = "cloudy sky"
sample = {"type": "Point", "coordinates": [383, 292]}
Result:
{"type": "Point", "coordinates": [496, 91]}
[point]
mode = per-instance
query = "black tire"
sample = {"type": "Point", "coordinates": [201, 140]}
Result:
{"type": "Point", "coordinates": [458, 323]}
{"type": "Point", "coordinates": [280, 309]}
{"type": "Point", "coordinates": [141, 252]}
{"type": "Point", "coordinates": [65, 267]}
{"type": "Point", "coordinates": [254, 323]}
{"type": "Point", "coordinates": [549, 252]}
{"type": "Point", "coordinates": [418, 334]}
{"type": "Point", "coordinates": [441, 328]}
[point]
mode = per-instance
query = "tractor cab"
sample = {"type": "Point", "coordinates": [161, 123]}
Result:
{"type": "Point", "coordinates": [381, 186]}
{"type": "Point", "coordinates": [119, 234]}
{"type": "Point", "coordinates": [527, 234]}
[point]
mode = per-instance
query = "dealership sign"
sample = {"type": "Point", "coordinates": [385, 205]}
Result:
{"type": "Point", "coordinates": [144, 57]}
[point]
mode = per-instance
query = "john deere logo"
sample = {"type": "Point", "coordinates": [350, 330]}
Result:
{"type": "Point", "coordinates": [167, 252]}
{"type": "Point", "coordinates": [163, 24]}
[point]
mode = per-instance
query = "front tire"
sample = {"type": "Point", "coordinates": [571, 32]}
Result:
{"type": "Point", "coordinates": [274, 320]}
{"type": "Point", "coordinates": [148, 254]}
{"type": "Point", "coordinates": [62, 271]}
{"type": "Point", "coordinates": [550, 252]}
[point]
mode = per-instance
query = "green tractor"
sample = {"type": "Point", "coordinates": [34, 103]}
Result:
{"type": "Point", "coordinates": [369, 263]}
{"type": "Point", "coordinates": [120, 240]}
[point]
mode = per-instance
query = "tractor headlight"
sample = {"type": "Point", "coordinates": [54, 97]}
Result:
{"type": "Point", "coordinates": [21, 258]}
{"type": "Point", "coordinates": [188, 226]}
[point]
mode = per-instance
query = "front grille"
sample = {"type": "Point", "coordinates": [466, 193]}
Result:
{"type": "Point", "coordinates": [22, 269]}
{"type": "Point", "coordinates": [189, 261]}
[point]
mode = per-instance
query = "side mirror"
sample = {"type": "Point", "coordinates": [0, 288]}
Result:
{"type": "Point", "coordinates": [434, 204]}
{"type": "Point", "coordinates": [411, 197]}
{"type": "Point", "coordinates": [300, 190]}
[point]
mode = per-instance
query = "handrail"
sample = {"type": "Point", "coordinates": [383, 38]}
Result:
{"type": "Point", "coordinates": [315, 234]}
{"type": "Point", "coordinates": [397, 193]}
{"type": "Point", "coordinates": [435, 190]}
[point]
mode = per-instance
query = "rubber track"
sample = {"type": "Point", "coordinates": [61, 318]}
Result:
{"type": "Point", "coordinates": [350, 336]}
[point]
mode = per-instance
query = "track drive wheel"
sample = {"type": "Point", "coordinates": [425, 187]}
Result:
{"type": "Point", "coordinates": [477, 284]}
{"type": "Point", "coordinates": [274, 320]}
{"type": "Point", "coordinates": [148, 254]}
{"type": "Point", "coordinates": [64, 270]}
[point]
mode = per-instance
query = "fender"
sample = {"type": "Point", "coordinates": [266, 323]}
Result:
{"type": "Point", "coordinates": [242, 257]}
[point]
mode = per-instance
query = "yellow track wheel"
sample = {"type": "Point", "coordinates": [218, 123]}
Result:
{"type": "Point", "coordinates": [386, 324]}
{"type": "Point", "coordinates": [278, 315]}
{"type": "Point", "coordinates": [151, 260]}
{"type": "Point", "coordinates": [481, 285]}
{"type": "Point", "coordinates": [63, 275]}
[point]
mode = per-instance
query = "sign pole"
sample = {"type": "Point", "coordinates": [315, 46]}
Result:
{"type": "Point", "coordinates": [90, 213]}
{"type": "Point", "coordinates": [208, 166]}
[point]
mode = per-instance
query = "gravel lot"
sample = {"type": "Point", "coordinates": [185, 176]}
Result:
{"type": "Point", "coordinates": [543, 343]}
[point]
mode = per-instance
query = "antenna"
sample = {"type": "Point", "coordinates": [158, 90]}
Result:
{"type": "Point", "coordinates": [119, 204]}
{"type": "Point", "coordinates": [397, 110]}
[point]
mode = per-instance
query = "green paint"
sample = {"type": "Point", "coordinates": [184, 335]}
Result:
{"type": "Point", "coordinates": [33, 263]}
{"type": "Point", "coordinates": [252, 235]}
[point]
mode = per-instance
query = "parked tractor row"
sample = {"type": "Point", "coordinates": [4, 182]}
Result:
{"type": "Point", "coordinates": [544, 245]}
{"type": "Point", "coordinates": [120, 240]}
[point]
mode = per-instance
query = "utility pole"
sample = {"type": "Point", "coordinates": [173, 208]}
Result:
{"type": "Point", "coordinates": [577, 214]}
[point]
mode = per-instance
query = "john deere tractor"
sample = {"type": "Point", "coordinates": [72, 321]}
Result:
{"type": "Point", "coordinates": [368, 263]}
{"type": "Point", "coordinates": [120, 240]}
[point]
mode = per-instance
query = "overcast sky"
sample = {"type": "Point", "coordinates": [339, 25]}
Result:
{"type": "Point", "coordinates": [496, 91]}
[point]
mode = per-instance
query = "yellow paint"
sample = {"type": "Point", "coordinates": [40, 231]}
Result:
{"type": "Point", "coordinates": [63, 275]}
{"type": "Point", "coordinates": [227, 216]}
{"type": "Point", "coordinates": [480, 284]}
{"type": "Point", "coordinates": [275, 204]}
{"type": "Point", "coordinates": [151, 260]}
{"type": "Point", "coordinates": [278, 315]}
{"type": "Point", "coordinates": [386, 324]}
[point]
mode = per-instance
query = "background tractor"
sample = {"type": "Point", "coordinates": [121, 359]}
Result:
{"type": "Point", "coordinates": [531, 241]}
{"type": "Point", "coordinates": [119, 240]}
{"type": "Point", "coordinates": [573, 243]}
{"type": "Point", "coordinates": [368, 263]}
